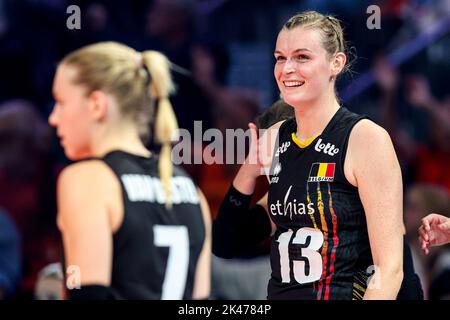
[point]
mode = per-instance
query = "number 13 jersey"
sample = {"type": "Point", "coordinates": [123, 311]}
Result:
{"type": "Point", "coordinates": [320, 249]}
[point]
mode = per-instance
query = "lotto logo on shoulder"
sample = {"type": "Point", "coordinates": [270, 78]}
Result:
{"type": "Point", "coordinates": [328, 148]}
{"type": "Point", "coordinates": [322, 172]}
{"type": "Point", "coordinates": [283, 148]}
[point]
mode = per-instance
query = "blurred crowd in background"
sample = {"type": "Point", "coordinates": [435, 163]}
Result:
{"type": "Point", "coordinates": [223, 50]}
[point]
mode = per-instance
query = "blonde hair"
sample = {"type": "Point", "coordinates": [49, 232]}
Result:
{"type": "Point", "coordinates": [137, 80]}
{"type": "Point", "coordinates": [330, 28]}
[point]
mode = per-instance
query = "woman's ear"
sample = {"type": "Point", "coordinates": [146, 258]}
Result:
{"type": "Point", "coordinates": [338, 63]}
{"type": "Point", "coordinates": [98, 105]}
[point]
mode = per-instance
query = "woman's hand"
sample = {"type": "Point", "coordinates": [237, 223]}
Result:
{"type": "Point", "coordinates": [434, 231]}
{"type": "Point", "coordinates": [251, 168]}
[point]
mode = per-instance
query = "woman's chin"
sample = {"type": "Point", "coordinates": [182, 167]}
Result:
{"type": "Point", "coordinates": [297, 100]}
{"type": "Point", "coordinates": [293, 100]}
{"type": "Point", "coordinates": [74, 156]}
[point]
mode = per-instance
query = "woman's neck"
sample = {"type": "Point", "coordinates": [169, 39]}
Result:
{"type": "Point", "coordinates": [125, 138]}
{"type": "Point", "coordinates": [313, 118]}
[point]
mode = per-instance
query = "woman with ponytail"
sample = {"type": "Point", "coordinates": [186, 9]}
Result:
{"type": "Point", "coordinates": [134, 226]}
{"type": "Point", "coordinates": [334, 202]}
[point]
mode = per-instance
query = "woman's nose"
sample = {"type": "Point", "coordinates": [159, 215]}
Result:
{"type": "Point", "coordinates": [289, 66]}
{"type": "Point", "coordinates": [52, 119]}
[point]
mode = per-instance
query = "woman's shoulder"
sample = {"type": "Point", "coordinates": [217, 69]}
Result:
{"type": "Point", "coordinates": [366, 131]}
{"type": "Point", "coordinates": [92, 172]}
{"type": "Point", "coordinates": [84, 167]}
{"type": "Point", "coordinates": [368, 142]}
{"type": "Point", "coordinates": [85, 188]}
{"type": "Point", "coordinates": [283, 123]}
{"type": "Point", "coordinates": [277, 128]}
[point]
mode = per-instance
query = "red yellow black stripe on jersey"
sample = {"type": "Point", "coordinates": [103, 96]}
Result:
{"type": "Point", "coordinates": [325, 172]}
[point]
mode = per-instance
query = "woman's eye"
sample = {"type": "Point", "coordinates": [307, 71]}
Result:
{"type": "Point", "coordinates": [302, 57]}
{"type": "Point", "coordinates": [280, 58]}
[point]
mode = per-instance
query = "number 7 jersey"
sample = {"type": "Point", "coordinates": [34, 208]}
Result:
{"type": "Point", "coordinates": [320, 249]}
{"type": "Point", "coordinates": [155, 250]}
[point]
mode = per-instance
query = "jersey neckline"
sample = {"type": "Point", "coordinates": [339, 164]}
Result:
{"type": "Point", "coordinates": [118, 151]}
{"type": "Point", "coordinates": [337, 115]}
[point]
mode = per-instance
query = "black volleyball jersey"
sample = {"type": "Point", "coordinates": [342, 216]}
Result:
{"type": "Point", "coordinates": [155, 250]}
{"type": "Point", "coordinates": [320, 249]}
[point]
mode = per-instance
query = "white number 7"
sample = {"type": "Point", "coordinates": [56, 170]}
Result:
{"type": "Point", "coordinates": [177, 239]}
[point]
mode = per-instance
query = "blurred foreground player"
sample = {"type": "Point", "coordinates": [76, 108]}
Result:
{"type": "Point", "coordinates": [134, 226]}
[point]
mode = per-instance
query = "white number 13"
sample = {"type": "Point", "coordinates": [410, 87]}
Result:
{"type": "Point", "coordinates": [309, 252]}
